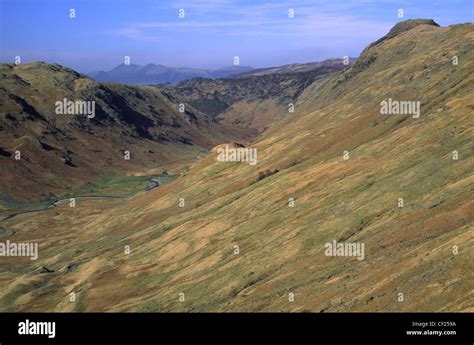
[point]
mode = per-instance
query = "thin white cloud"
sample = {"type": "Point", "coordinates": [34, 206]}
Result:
{"type": "Point", "coordinates": [310, 25]}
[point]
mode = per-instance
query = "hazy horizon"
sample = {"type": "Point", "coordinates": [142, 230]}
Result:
{"type": "Point", "coordinates": [212, 67]}
{"type": "Point", "coordinates": [210, 34]}
{"type": "Point", "coordinates": [177, 66]}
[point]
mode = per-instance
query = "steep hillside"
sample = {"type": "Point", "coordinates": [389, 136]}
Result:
{"type": "Point", "coordinates": [253, 100]}
{"type": "Point", "coordinates": [62, 151]}
{"type": "Point", "coordinates": [344, 164]}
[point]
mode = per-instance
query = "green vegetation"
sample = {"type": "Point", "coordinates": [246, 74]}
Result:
{"type": "Point", "coordinates": [115, 185]}
{"type": "Point", "coordinates": [111, 185]}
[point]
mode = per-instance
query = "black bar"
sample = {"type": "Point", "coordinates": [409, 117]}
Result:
{"type": "Point", "coordinates": [240, 328]}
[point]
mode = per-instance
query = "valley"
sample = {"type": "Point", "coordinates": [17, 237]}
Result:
{"type": "Point", "coordinates": [333, 171]}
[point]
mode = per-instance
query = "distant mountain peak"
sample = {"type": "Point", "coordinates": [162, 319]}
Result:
{"type": "Point", "coordinates": [125, 66]}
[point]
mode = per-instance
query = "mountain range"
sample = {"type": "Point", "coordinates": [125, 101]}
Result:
{"type": "Point", "coordinates": [159, 74]}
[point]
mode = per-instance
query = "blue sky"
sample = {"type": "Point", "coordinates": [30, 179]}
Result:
{"type": "Point", "coordinates": [211, 33]}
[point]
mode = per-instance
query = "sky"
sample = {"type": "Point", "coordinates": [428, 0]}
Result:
{"type": "Point", "coordinates": [211, 33]}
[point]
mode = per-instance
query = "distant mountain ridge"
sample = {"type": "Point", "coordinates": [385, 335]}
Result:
{"type": "Point", "coordinates": [159, 74]}
{"type": "Point", "coordinates": [297, 67]}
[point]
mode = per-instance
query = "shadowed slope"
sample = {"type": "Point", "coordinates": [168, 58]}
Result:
{"type": "Point", "coordinates": [60, 152]}
{"type": "Point", "coordinates": [253, 100]}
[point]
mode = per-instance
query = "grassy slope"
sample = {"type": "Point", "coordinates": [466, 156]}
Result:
{"type": "Point", "coordinates": [190, 249]}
